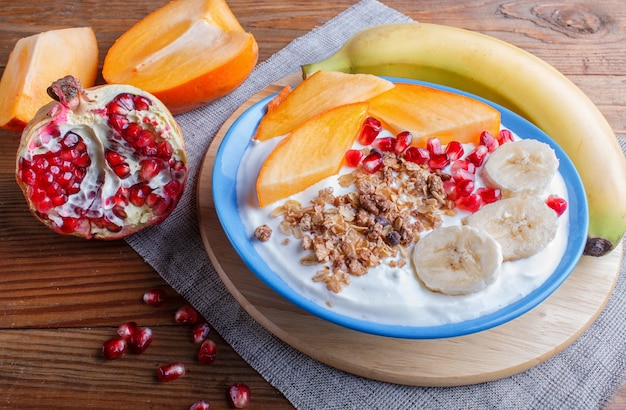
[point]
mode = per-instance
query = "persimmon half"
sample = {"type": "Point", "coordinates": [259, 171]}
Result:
{"type": "Point", "coordinates": [186, 53]}
{"type": "Point", "coordinates": [36, 62]}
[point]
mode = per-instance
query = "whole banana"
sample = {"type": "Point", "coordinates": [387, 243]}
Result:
{"type": "Point", "coordinates": [515, 79]}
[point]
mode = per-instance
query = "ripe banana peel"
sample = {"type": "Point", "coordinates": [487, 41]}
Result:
{"type": "Point", "coordinates": [515, 79]}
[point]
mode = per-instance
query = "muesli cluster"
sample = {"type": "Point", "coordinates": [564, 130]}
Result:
{"type": "Point", "coordinates": [377, 220]}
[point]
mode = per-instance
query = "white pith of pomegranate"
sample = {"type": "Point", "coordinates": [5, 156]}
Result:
{"type": "Point", "coordinates": [103, 162]}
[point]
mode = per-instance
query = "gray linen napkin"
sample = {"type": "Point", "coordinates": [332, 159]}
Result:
{"type": "Point", "coordinates": [584, 376]}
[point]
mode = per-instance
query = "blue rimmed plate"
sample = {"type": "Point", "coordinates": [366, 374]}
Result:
{"type": "Point", "coordinates": [224, 183]}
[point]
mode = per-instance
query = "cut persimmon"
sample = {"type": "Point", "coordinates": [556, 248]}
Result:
{"type": "Point", "coordinates": [320, 92]}
{"type": "Point", "coordinates": [187, 54]}
{"type": "Point", "coordinates": [430, 112]}
{"type": "Point", "coordinates": [313, 151]}
{"type": "Point", "coordinates": [36, 62]}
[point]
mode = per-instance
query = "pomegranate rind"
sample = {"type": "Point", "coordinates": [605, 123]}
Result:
{"type": "Point", "coordinates": [320, 92]}
{"type": "Point", "coordinates": [211, 52]}
{"type": "Point", "coordinates": [38, 60]}
{"type": "Point", "coordinates": [89, 119]}
{"type": "Point", "coordinates": [313, 151]}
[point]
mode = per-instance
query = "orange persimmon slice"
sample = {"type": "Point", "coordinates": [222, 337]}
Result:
{"type": "Point", "coordinates": [36, 62]}
{"type": "Point", "coordinates": [320, 92]}
{"type": "Point", "coordinates": [186, 53]}
{"type": "Point", "coordinates": [313, 151]}
{"type": "Point", "coordinates": [430, 112]}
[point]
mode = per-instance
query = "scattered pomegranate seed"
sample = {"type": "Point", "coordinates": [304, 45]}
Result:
{"type": "Point", "coordinates": [186, 315]}
{"type": "Point", "coordinates": [489, 195]}
{"type": "Point", "coordinates": [471, 203]}
{"type": "Point", "coordinates": [402, 142]}
{"type": "Point", "coordinates": [478, 155]}
{"type": "Point", "coordinates": [505, 136]}
{"type": "Point", "coordinates": [353, 157]}
{"type": "Point", "coordinates": [172, 371]}
{"type": "Point", "coordinates": [455, 150]}
{"type": "Point", "coordinates": [199, 332]}
{"type": "Point", "coordinates": [114, 348]}
{"type": "Point", "coordinates": [371, 128]}
{"type": "Point", "coordinates": [462, 169]}
{"type": "Point", "coordinates": [128, 330]}
{"type": "Point", "coordinates": [434, 147]}
{"type": "Point", "coordinates": [372, 162]}
{"type": "Point", "coordinates": [557, 203]}
{"type": "Point", "coordinates": [200, 405]}
{"type": "Point", "coordinates": [438, 161]}
{"type": "Point", "coordinates": [239, 395]}
{"type": "Point", "coordinates": [416, 155]}
{"type": "Point", "coordinates": [141, 340]}
{"type": "Point", "coordinates": [489, 141]}
{"type": "Point", "coordinates": [153, 297]}
{"type": "Point", "coordinates": [207, 352]}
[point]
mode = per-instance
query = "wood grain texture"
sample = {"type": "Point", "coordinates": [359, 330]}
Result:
{"type": "Point", "coordinates": [60, 297]}
{"type": "Point", "coordinates": [485, 356]}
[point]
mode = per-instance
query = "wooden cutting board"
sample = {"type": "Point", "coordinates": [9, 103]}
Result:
{"type": "Point", "coordinates": [489, 355]}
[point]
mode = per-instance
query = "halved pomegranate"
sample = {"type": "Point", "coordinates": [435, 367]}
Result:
{"type": "Point", "coordinates": [102, 162]}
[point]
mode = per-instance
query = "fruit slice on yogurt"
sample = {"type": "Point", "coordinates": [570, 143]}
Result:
{"type": "Point", "coordinates": [313, 151]}
{"type": "Point", "coordinates": [429, 112]}
{"type": "Point", "coordinates": [320, 92]}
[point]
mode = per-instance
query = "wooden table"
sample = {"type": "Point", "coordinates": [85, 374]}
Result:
{"type": "Point", "coordinates": [61, 297]}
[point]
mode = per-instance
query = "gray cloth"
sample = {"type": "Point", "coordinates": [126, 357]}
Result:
{"type": "Point", "coordinates": [584, 376]}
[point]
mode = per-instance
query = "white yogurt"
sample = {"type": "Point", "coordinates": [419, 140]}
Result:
{"type": "Point", "coordinates": [385, 295]}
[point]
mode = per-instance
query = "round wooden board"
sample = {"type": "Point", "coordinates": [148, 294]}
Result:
{"type": "Point", "coordinates": [480, 357]}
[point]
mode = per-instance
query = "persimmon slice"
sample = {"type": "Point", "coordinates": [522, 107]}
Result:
{"type": "Point", "coordinates": [320, 92]}
{"type": "Point", "coordinates": [313, 151]}
{"type": "Point", "coordinates": [36, 62]}
{"type": "Point", "coordinates": [187, 53]}
{"type": "Point", "coordinates": [430, 112]}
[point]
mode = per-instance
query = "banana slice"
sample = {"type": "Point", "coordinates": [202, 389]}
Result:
{"type": "Point", "coordinates": [522, 225]}
{"type": "Point", "coordinates": [457, 260]}
{"type": "Point", "coordinates": [521, 167]}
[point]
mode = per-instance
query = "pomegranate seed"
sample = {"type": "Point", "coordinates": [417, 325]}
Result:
{"type": "Point", "coordinates": [141, 340]}
{"type": "Point", "coordinates": [372, 163]}
{"type": "Point", "coordinates": [416, 155]}
{"type": "Point", "coordinates": [464, 187]}
{"type": "Point", "coordinates": [199, 332]}
{"type": "Point", "coordinates": [371, 128]}
{"type": "Point", "coordinates": [385, 144]}
{"type": "Point", "coordinates": [455, 150]}
{"type": "Point", "coordinates": [150, 168]}
{"type": "Point", "coordinates": [489, 141]}
{"type": "Point", "coordinates": [434, 147]}
{"type": "Point", "coordinates": [239, 395]}
{"type": "Point", "coordinates": [155, 297]}
{"type": "Point", "coordinates": [137, 195]}
{"type": "Point", "coordinates": [114, 348]}
{"type": "Point", "coordinates": [128, 330]}
{"type": "Point", "coordinates": [353, 157]}
{"type": "Point", "coordinates": [403, 141]}
{"type": "Point", "coordinates": [172, 371]}
{"type": "Point", "coordinates": [122, 170]}
{"type": "Point", "coordinates": [207, 352]}
{"type": "Point", "coordinates": [478, 155]}
{"type": "Point", "coordinates": [449, 188]}
{"type": "Point", "coordinates": [557, 203]}
{"type": "Point", "coordinates": [186, 315]}
{"type": "Point", "coordinates": [489, 195]}
{"type": "Point", "coordinates": [471, 203]}
{"type": "Point", "coordinates": [200, 405]}
{"type": "Point", "coordinates": [505, 136]}
{"type": "Point", "coordinates": [114, 158]}
{"type": "Point", "coordinates": [164, 150]}
{"type": "Point", "coordinates": [141, 103]}
{"type": "Point", "coordinates": [438, 161]}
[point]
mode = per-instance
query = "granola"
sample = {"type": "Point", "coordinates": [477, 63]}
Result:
{"type": "Point", "coordinates": [376, 221]}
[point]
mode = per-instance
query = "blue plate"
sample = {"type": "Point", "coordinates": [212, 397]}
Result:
{"type": "Point", "coordinates": [224, 182]}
